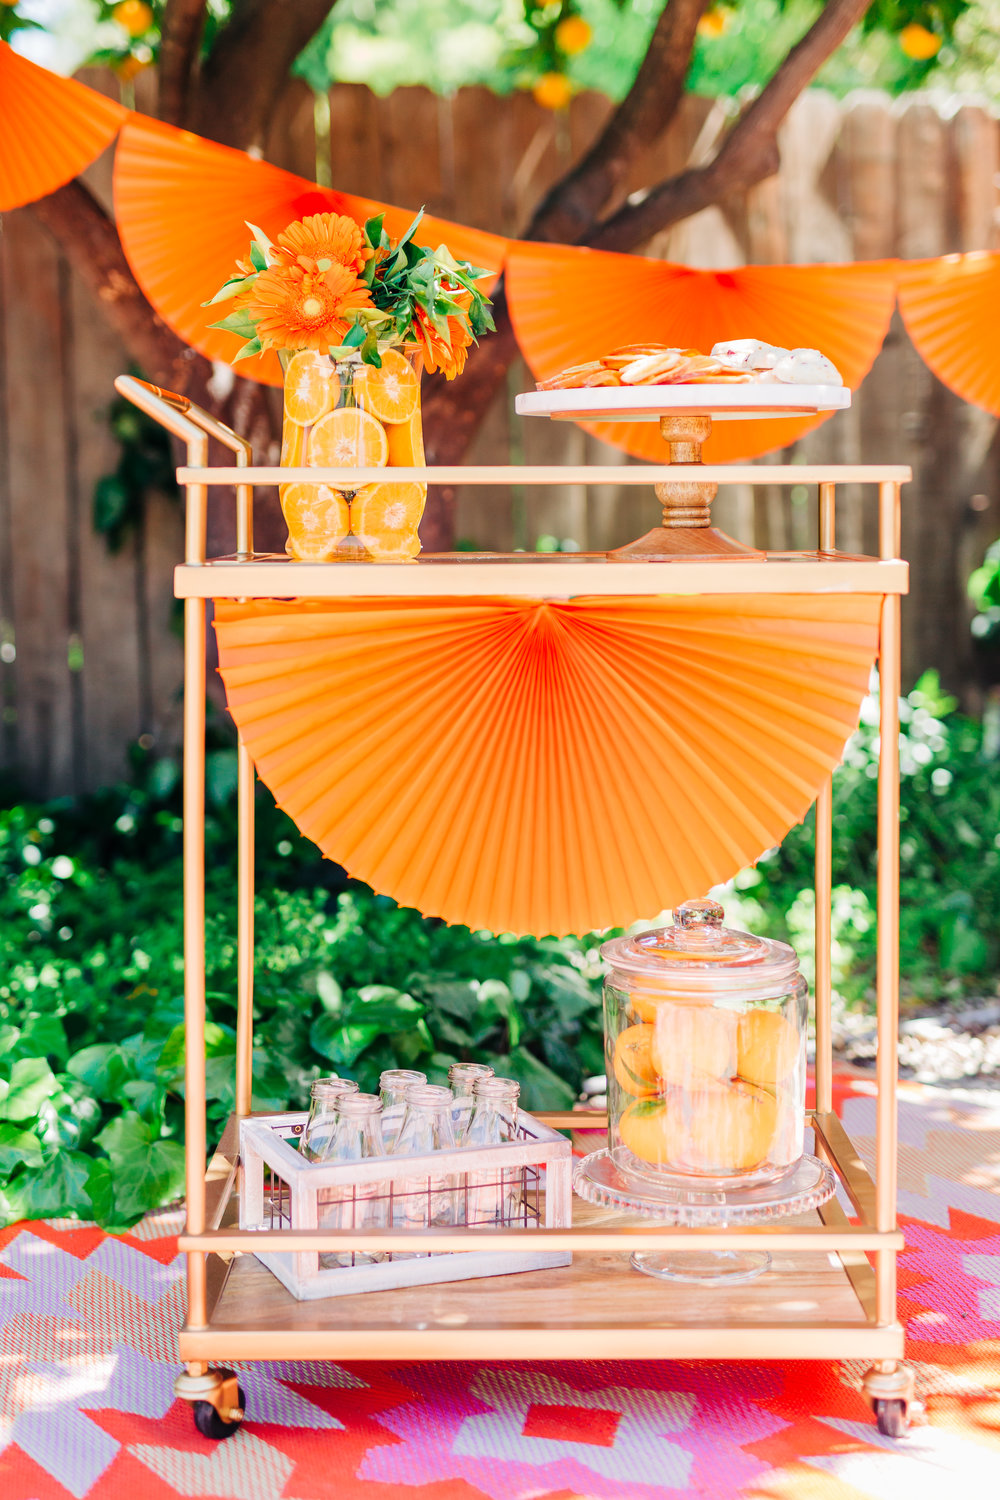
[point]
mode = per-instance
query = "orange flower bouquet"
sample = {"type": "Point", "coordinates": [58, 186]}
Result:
{"type": "Point", "coordinates": [354, 316]}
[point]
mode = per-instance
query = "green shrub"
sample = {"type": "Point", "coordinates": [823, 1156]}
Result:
{"type": "Point", "coordinates": [91, 974]}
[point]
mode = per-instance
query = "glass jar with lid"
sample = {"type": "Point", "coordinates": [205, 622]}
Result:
{"type": "Point", "coordinates": [705, 1032]}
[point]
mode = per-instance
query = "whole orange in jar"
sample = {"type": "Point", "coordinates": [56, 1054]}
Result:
{"type": "Point", "coordinates": [706, 1039]}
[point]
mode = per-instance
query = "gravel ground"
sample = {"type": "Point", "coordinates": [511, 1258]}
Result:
{"type": "Point", "coordinates": [946, 1048]}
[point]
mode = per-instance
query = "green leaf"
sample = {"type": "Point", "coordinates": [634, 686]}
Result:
{"type": "Point", "coordinates": [249, 349]}
{"type": "Point", "coordinates": [257, 257]}
{"type": "Point", "coordinates": [58, 1190]}
{"type": "Point", "coordinates": [230, 288]}
{"type": "Point", "coordinates": [331, 996]}
{"type": "Point", "coordinates": [355, 336]}
{"type": "Point", "coordinates": [343, 1045]}
{"type": "Point", "coordinates": [146, 1171]}
{"type": "Point", "coordinates": [238, 322]}
{"type": "Point", "coordinates": [540, 1087]}
{"type": "Point", "coordinates": [369, 350]}
{"type": "Point", "coordinates": [103, 1068]}
{"type": "Point", "coordinates": [31, 1081]}
{"type": "Point", "coordinates": [18, 1148]}
{"type": "Point", "coordinates": [379, 1005]}
{"type": "Point", "coordinates": [44, 1036]}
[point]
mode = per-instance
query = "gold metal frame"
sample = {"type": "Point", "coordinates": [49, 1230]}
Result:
{"type": "Point", "coordinates": [214, 1247]}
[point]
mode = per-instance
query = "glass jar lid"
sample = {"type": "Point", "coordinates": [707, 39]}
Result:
{"type": "Point", "coordinates": [698, 953]}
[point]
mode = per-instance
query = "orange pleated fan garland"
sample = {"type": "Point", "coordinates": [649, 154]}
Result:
{"type": "Point", "coordinates": [546, 767]}
{"type": "Point", "coordinates": [950, 306]}
{"type": "Point", "coordinates": [182, 205]}
{"type": "Point", "coordinates": [50, 129]}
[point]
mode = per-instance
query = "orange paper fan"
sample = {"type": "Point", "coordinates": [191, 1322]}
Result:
{"type": "Point", "coordinates": [182, 204]}
{"type": "Point", "coordinates": [949, 305]}
{"type": "Point", "coordinates": [546, 767]}
{"type": "Point", "coordinates": [569, 305]}
{"type": "Point", "coordinates": [51, 128]}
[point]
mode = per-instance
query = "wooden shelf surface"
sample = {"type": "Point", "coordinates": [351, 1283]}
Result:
{"type": "Point", "coordinates": [805, 1306]}
{"type": "Point", "coordinates": [534, 575]}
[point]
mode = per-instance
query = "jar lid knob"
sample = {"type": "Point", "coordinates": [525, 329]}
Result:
{"type": "Point", "coordinates": [700, 912]}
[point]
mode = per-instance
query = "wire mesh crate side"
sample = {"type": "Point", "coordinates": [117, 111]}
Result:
{"type": "Point", "coordinates": [488, 1187]}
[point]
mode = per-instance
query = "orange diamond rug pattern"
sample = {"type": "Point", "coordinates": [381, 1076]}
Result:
{"type": "Point", "coordinates": [88, 1326]}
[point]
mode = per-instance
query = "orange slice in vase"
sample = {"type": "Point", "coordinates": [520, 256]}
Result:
{"type": "Point", "coordinates": [391, 393]}
{"type": "Point", "coordinates": [312, 388]}
{"type": "Point", "coordinates": [348, 438]}
{"type": "Point", "coordinates": [385, 517]}
{"type": "Point", "coordinates": [318, 519]}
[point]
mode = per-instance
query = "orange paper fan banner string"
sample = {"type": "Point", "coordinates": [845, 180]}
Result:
{"type": "Point", "coordinates": [546, 767]}
{"type": "Point", "coordinates": [570, 304]}
{"type": "Point", "coordinates": [50, 129]}
{"type": "Point", "coordinates": [949, 305]}
{"type": "Point", "coordinates": [182, 203]}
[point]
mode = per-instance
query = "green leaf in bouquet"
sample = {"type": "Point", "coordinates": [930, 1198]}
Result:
{"type": "Point", "coordinates": [261, 243]}
{"type": "Point", "coordinates": [373, 232]}
{"type": "Point", "coordinates": [230, 288]}
{"type": "Point", "coordinates": [31, 1082]}
{"type": "Point", "coordinates": [369, 350]}
{"type": "Point", "coordinates": [249, 350]}
{"type": "Point", "coordinates": [355, 336]}
{"type": "Point", "coordinates": [411, 231]}
{"type": "Point", "coordinates": [238, 322]}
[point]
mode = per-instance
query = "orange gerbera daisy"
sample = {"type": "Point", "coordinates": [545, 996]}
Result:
{"type": "Point", "coordinates": [447, 355]}
{"type": "Point", "coordinates": [327, 239]}
{"type": "Point", "coordinates": [295, 307]}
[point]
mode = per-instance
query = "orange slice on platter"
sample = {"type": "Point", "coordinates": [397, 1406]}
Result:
{"type": "Point", "coordinates": [390, 393]}
{"type": "Point", "coordinates": [406, 443]}
{"type": "Point", "coordinates": [312, 388]}
{"type": "Point", "coordinates": [348, 438]}
{"type": "Point", "coordinates": [385, 517]}
{"type": "Point", "coordinates": [318, 518]}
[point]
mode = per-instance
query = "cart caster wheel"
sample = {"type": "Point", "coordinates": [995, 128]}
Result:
{"type": "Point", "coordinates": [211, 1425]}
{"type": "Point", "coordinates": [891, 1418]}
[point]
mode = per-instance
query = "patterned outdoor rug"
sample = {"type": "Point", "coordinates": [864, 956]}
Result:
{"type": "Point", "coordinates": [87, 1362]}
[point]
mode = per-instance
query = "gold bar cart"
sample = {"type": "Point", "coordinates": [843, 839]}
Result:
{"type": "Point", "coordinates": [824, 1298]}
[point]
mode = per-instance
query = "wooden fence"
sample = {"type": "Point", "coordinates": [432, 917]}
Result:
{"type": "Point", "coordinates": [89, 659]}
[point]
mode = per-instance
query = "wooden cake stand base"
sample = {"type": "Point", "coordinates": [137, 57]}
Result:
{"type": "Point", "coordinates": [687, 506]}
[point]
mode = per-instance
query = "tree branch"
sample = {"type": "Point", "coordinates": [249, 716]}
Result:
{"type": "Point", "coordinates": [247, 68]}
{"type": "Point", "coordinates": [749, 154]}
{"type": "Point", "coordinates": [568, 210]}
{"type": "Point", "coordinates": [89, 238]}
{"type": "Point", "coordinates": [180, 39]}
{"type": "Point", "coordinates": [750, 151]}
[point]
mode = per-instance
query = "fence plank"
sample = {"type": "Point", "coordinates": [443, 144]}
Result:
{"type": "Point", "coordinates": [42, 531]}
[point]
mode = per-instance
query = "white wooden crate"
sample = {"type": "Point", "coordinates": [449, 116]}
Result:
{"type": "Point", "coordinates": [280, 1190]}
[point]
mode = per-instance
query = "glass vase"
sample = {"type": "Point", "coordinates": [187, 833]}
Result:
{"type": "Point", "coordinates": [342, 413]}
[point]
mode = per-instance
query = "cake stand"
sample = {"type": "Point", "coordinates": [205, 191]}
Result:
{"type": "Point", "coordinates": [685, 414]}
{"type": "Point", "coordinates": [693, 1204]}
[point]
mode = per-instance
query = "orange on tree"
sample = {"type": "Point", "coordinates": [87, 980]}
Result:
{"type": "Point", "coordinates": [553, 91]}
{"type": "Point", "coordinates": [385, 517]}
{"type": "Point", "coordinates": [714, 22]}
{"type": "Point", "coordinates": [318, 518]}
{"type": "Point", "coordinates": [767, 1048]}
{"type": "Point", "coordinates": [633, 1062]}
{"type": "Point", "coordinates": [348, 438]}
{"type": "Point", "coordinates": [312, 388]}
{"type": "Point", "coordinates": [391, 393]}
{"type": "Point", "coordinates": [573, 35]}
{"type": "Point", "coordinates": [919, 43]}
{"type": "Point", "coordinates": [134, 16]}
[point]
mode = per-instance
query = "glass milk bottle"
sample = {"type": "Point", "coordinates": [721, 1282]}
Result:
{"type": "Point", "coordinates": [359, 1205]}
{"type": "Point", "coordinates": [392, 1086]}
{"type": "Point", "coordinates": [461, 1078]}
{"type": "Point", "coordinates": [425, 1202]}
{"type": "Point", "coordinates": [493, 1192]}
{"type": "Point", "coordinates": [322, 1121]}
